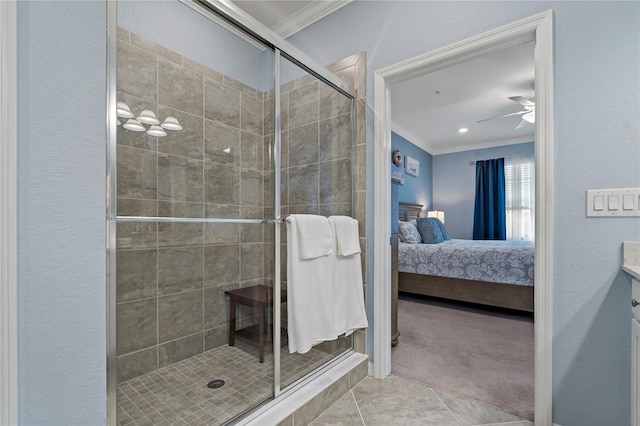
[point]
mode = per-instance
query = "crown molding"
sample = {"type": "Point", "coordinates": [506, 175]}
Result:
{"type": "Point", "coordinates": [306, 16]}
{"type": "Point", "coordinates": [411, 137]}
{"type": "Point", "coordinates": [425, 146]}
{"type": "Point", "coordinates": [485, 144]}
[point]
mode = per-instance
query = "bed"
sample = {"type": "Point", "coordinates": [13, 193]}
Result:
{"type": "Point", "coordinates": [493, 273]}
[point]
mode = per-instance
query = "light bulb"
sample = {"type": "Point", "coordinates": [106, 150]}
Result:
{"type": "Point", "coordinates": [122, 110]}
{"type": "Point", "coordinates": [171, 123]}
{"type": "Point", "coordinates": [148, 117]}
{"type": "Point", "coordinates": [156, 131]}
{"type": "Point", "coordinates": [530, 117]}
{"type": "Point", "coordinates": [134, 125]}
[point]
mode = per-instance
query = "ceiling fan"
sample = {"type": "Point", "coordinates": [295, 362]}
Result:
{"type": "Point", "coordinates": [528, 113]}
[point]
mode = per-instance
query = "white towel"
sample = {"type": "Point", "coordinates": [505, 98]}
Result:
{"type": "Point", "coordinates": [309, 294]}
{"type": "Point", "coordinates": [348, 304]}
{"type": "Point", "coordinates": [314, 235]}
{"type": "Point", "coordinates": [346, 231]}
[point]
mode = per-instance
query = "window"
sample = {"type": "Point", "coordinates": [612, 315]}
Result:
{"type": "Point", "coordinates": [520, 198]}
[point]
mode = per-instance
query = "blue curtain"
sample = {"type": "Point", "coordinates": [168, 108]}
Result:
{"type": "Point", "coordinates": [490, 213]}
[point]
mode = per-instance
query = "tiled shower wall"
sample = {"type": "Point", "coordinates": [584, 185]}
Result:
{"type": "Point", "coordinates": [171, 277]}
{"type": "Point", "coordinates": [352, 70]}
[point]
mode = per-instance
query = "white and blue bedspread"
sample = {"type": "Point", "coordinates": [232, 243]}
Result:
{"type": "Point", "coordinates": [508, 262]}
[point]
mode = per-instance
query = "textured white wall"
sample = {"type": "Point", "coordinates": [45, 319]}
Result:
{"type": "Point", "coordinates": [61, 213]}
{"type": "Point", "coordinates": [597, 50]}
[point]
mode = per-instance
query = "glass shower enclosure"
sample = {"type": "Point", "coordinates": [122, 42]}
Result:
{"type": "Point", "coordinates": [216, 135]}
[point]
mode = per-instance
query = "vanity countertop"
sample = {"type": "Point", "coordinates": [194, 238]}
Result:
{"type": "Point", "coordinates": [634, 271]}
{"type": "Point", "coordinates": [631, 259]}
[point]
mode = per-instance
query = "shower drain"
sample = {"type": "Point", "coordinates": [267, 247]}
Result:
{"type": "Point", "coordinates": [215, 384]}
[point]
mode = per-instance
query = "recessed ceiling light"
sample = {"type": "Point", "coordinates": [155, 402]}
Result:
{"type": "Point", "coordinates": [463, 130]}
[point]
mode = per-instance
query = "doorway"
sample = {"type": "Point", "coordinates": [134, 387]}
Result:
{"type": "Point", "coordinates": [538, 28]}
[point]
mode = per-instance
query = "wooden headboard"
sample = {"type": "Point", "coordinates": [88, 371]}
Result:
{"type": "Point", "coordinates": [408, 211]}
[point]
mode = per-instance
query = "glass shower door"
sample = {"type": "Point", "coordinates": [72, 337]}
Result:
{"type": "Point", "coordinates": [194, 195]}
{"type": "Point", "coordinates": [209, 156]}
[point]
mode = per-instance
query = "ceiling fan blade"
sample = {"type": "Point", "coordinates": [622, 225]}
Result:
{"type": "Point", "coordinates": [521, 124]}
{"type": "Point", "coordinates": [522, 101]}
{"type": "Point", "coordinates": [501, 116]}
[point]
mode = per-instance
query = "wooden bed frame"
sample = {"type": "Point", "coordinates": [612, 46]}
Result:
{"type": "Point", "coordinates": [481, 292]}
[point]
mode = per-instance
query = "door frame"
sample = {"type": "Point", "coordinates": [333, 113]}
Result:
{"type": "Point", "coordinates": [538, 28]}
{"type": "Point", "coordinates": [8, 214]}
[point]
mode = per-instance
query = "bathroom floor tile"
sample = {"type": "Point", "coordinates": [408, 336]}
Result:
{"type": "Point", "coordinates": [344, 412]}
{"type": "Point", "coordinates": [178, 393]}
{"type": "Point", "coordinates": [399, 401]}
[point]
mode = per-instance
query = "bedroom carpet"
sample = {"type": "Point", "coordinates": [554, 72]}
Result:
{"type": "Point", "coordinates": [477, 353]}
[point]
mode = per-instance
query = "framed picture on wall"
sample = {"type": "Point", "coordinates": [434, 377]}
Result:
{"type": "Point", "coordinates": [397, 171]}
{"type": "Point", "coordinates": [412, 166]}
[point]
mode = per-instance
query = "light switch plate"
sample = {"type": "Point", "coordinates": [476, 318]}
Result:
{"type": "Point", "coordinates": [627, 202]}
{"type": "Point", "coordinates": [613, 202]}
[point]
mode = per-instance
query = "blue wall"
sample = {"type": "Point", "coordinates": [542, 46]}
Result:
{"type": "Point", "coordinates": [61, 187]}
{"type": "Point", "coordinates": [61, 213]}
{"type": "Point", "coordinates": [454, 184]}
{"type": "Point", "coordinates": [596, 129]}
{"type": "Point", "coordinates": [417, 190]}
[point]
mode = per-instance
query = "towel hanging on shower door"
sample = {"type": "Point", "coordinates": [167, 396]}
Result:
{"type": "Point", "coordinates": [309, 290]}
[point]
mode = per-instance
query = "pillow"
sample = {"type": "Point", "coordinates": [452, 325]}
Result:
{"type": "Point", "coordinates": [429, 230]}
{"type": "Point", "coordinates": [445, 232]}
{"type": "Point", "coordinates": [409, 233]}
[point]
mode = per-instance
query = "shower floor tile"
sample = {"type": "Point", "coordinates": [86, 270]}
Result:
{"type": "Point", "coordinates": [178, 394]}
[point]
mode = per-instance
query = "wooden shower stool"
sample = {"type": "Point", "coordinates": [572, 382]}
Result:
{"type": "Point", "coordinates": [258, 297]}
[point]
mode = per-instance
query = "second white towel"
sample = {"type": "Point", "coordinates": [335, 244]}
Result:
{"type": "Point", "coordinates": [348, 305]}
{"type": "Point", "coordinates": [345, 229]}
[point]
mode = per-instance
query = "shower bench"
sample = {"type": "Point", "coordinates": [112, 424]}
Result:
{"type": "Point", "coordinates": [258, 297]}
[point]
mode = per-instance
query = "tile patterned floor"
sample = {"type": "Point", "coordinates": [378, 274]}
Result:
{"type": "Point", "coordinates": [178, 394]}
{"type": "Point", "coordinates": [399, 401]}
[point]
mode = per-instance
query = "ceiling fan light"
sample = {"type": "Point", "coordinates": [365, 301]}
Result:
{"type": "Point", "coordinates": [530, 117]}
